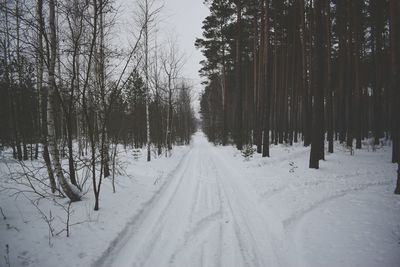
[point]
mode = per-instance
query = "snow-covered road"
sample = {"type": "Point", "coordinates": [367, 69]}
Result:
{"type": "Point", "coordinates": [215, 209]}
{"type": "Point", "coordinates": [207, 215]}
{"type": "Point", "coordinates": [207, 206]}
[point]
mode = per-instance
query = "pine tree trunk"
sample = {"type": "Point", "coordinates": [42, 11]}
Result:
{"type": "Point", "coordinates": [397, 190]}
{"type": "Point", "coordinates": [395, 83]}
{"type": "Point", "coordinates": [357, 9]}
{"type": "Point", "coordinates": [329, 88]}
{"type": "Point", "coordinates": [304, 85]}
{"type": "Point", "coordinates": [377, 28]}
{"type": "Point", "coordinates": [265, 80]}
{"type": "Point", "coordinates": [319, 68]}
{"type": "Point", "coordinates": [238, 78]}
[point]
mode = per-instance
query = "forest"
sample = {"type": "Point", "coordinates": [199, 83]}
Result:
{"type": "Point", "coordinates": [316, 72]}
{"type": "Point", "coordinates": [183, 133]}
{"type": "Point", "coordinates": [69, 89]}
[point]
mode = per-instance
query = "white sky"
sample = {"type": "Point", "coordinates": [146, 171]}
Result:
{"type": "Point", "coordinates": [183, 20]}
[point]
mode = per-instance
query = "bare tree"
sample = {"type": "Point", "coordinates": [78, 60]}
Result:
{"type": "Point", "coordinates": [148, 12]}
{"type": "Point", "coordinates": [172, 63]}
{"type": "Point", "coordinates": [103, 94]}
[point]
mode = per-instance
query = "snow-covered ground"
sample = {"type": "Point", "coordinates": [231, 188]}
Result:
{"type": "Point", "coordinates": [207, 206]}
{"type": "Point", "coordinates": [27, 234]}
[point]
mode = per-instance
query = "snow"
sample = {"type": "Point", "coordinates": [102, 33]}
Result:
{"type": "Point", "coordinates": [208, 206]}
{"type": "Point", "coordinates": [27, 234]}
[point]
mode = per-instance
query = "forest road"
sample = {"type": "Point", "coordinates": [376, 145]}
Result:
{"type": "Point", "coordinates": [207, 215]}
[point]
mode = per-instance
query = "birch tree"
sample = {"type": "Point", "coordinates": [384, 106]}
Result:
{"type": "Point", "coordinates": [70, 190]}
{"type": "Point", "coordinates": [172, 63]}
{"type": "Point", "coordinates": [148, 12]}
{"type": "Point", "coordinates": [42, 93]}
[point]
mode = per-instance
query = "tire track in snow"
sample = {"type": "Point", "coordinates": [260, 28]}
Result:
{"type": "Point", "coordinates": [317, 182]}
{"type": "Point", "coordinates": [260, 245]}
{"type": "Point", "coordinates": [131, 226]}
{"type": "Point", "coordinates": [205, 215]}
{"type": "Point", "coordinates": [134, 225]}
{"type": "Point", "coordinates": [205, 222]}
{"type": "Point", "coordinates": [288, 222]}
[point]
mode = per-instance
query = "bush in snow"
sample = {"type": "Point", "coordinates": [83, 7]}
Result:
{"type": "Point", "coordinates": [248, 152]}
{"type": "Point", "coordinates": [137, 154]}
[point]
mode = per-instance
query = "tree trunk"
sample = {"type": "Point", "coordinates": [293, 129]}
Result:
{"type": "Point", "coordinates": [395, 83]}
{"type": "Point", "coordinates": [319, 68]}
{"type": "Point", "coordinates": [42, 97]}
{"type": "Point", "coordinates": [146, 45]}
{"type": "Point", "coordinates": [238, 78]}
{"type": "Point", "coordinates": [305, 84]}
{"type": "Point", "coordinates": [266, 80]}
{"type": "Point", "coordinates": [329, 87]}
{"type": "Point", "coordinates": [72, 194]}
{"type": "Point", "coordinates": [357, 9]}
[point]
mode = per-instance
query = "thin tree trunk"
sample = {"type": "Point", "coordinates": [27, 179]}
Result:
{"type": "Point", "coordinates": [357, 32]}
{"type": "Point", "coordinates": [266, 80]}
{"type": "Point", "coordinates": [238, 77]}
{"type": "Point", "coordinates": [72, 194]}
{"type": "Point", "coordinates": [146, 45]}
{"type": "Point", "coordinates": [329, 83]}
{"type": "Point", "coordinates": [43, 97]}
{"type": "Point", "coordinates": [304, 85]}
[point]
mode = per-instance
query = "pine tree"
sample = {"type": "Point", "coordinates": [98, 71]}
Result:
{"type": "Point", "coordinates": [395, 83]}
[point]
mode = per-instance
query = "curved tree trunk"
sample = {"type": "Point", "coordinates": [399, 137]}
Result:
{"type": "Point", "coordinates": [43, 96]}
{"type": "Point", "coordinates": [67, 188]}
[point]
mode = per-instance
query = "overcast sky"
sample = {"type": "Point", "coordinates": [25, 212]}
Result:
{"type": "Point", "coordinates": [182, 19]}
{"type": "Point", "coordinates": [185, 18]}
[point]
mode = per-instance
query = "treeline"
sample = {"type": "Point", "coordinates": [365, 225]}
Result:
{"type": "Point", "coordinates": [314, 71]}
{"type": "Point", "coordinates": [70, 91]}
